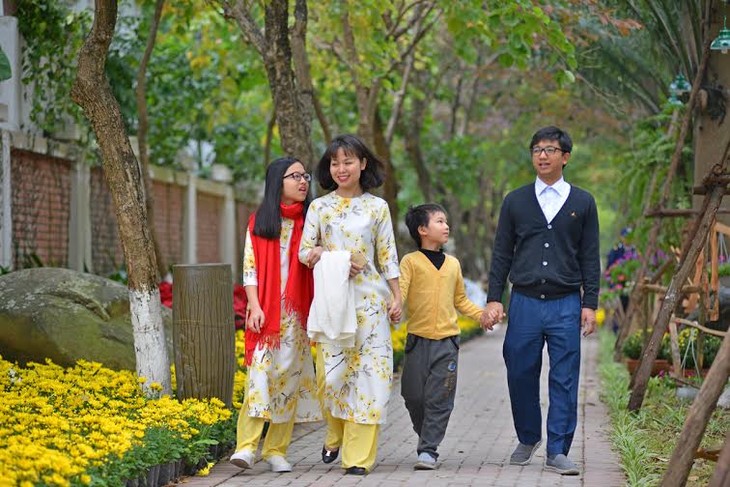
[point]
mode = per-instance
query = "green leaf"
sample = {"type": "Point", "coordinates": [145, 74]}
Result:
{"type": "Point", "coordinates": [506, 60]}
{"type": "Point", "coordinates": [565, 77]}
{"type": "Point", "coordinates": [5, 71]}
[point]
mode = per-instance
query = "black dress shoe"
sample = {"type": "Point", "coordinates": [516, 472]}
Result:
{"type": "Point", "coordinates": [356, 471]}
{"type": "Point", "coordinates": [329, 456]}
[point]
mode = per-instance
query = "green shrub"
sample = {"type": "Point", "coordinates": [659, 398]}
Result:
{"type": "Point", "coordinates": [634, 344]}
{"type": "Point", "coordinates": [723, 270]}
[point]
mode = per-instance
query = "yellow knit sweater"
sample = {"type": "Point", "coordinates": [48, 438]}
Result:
{"type": "Point", "coordinates": [432, 296]}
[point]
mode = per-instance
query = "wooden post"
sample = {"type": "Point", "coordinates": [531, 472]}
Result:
{"type": "Point", "coordinates": [698, 239]}
{"type": "Point", "coordinates": [696, 423]}
{"type": "Point", "coordinates": [694, 299]}
{"type": "Point", "coordinates": [721, 475]}
{"type": "Point", "coordinates": [674, 342]}
{"type": "Point", "coordinates": [203, 331]}
{"type": "Point", "coordinates": [714, 280]}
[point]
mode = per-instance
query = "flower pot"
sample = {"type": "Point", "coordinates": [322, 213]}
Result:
{"type": "Point", "coordinates": [693, 372]}
{"type": "Point", "coordinates": [163, 478]}
{"type": "Point", "coordinates": [153, 475]}
{"type": "Point", "coordinates": [659, 366]}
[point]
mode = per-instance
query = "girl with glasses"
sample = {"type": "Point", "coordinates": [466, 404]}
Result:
{"type": "Point", "coordinates": [280, 384]}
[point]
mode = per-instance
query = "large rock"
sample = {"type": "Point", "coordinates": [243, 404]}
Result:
{"type": "Point", "coordinates": [66, 315]}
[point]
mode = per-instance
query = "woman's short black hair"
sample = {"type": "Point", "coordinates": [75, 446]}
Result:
{"type": "Point", "coordinates": [371, 177]}
{"type": "Point", "coordinates": [553, 133]}
{"type": "Point", "coordinates": [268, 214]}
{"type": "Point", "coordinates": [418, 216]}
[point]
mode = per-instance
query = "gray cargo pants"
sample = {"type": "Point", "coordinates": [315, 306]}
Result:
{"type": "Point", "coordinates": [428, 385]}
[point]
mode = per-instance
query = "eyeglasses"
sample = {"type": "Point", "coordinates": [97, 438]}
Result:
{"type": "Point", "coordinates": [297, 176]}
{"type": "Point", "coordinates": [548, 150]}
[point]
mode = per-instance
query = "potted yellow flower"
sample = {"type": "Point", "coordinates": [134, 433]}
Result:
{"type": "Point", "coordinates": [633, 346]}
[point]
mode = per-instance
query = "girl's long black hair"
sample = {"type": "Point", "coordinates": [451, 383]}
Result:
{"type": "Point", "coordinates": [268, 214]}
{"type": "Point", "coordinates": [371, 177]}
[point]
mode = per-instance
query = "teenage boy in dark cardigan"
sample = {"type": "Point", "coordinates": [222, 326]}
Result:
{"type": "Point", "coordinates": [547, 242]}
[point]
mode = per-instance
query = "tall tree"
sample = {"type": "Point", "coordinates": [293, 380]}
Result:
{"type": "Point", "coordinates": [371, 54]}
{"type": "Point", "coordinates": [92, 92]}
{"type": "Point", "coordinates": [464, 106]}
{"type": "Point", "coordinates": [375, 42]}
{"type": "Point", "coordinates": [142, 128]}
{"type": "Point", "coordinates": [292, 96]}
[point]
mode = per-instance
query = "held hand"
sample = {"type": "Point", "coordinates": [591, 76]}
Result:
{"type": "Point", "coordinates": [588, 321]}
{"type": "Point", "coordinates": [494, 312]}
{"type": "Point", "coordinates": [314, 255]}
{"type": "Point", "coordinates": [255, 320]}
{"type": "Point", "coordinates": [485, 321]}
{"type": "Point", "coordinates": [395, 310]}
{"type": "Point", "coordinates": [356, 269]}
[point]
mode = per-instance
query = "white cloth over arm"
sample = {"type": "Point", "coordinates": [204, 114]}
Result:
{"type": "Point", "coordinates": [332, 317]}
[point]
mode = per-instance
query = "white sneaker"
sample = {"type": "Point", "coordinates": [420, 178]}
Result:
{"type": "Point", "coordinates": [425, 462]}
{"type": "Point", "coordinates": [279, 464]}
{"type": "Point", "coordinates": [243, 459]}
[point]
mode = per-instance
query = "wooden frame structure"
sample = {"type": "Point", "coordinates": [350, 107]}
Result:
{"type": "Point", "coordinates": [714, 186]}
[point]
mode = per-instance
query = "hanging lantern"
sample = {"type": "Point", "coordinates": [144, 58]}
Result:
{"type": "Point", "coordinates": [680, 86]}
{"type": "Point", "coordinates": [722, 41]}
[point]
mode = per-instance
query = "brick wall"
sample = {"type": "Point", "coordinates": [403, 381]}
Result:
{"type": "Point", "coordinates": [168, 204]}
{"type": "Point", "coordinates": [41, 200]}
{"type": "Point", "coordinates": [209, 222]}
{"type": "Point", "coordinates": [106, 249]}
{"type": "Point", "coordinates": [41, 194]}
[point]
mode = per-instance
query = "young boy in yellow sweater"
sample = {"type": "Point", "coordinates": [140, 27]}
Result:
{"type": "Point", "coordinates": [433, 290]}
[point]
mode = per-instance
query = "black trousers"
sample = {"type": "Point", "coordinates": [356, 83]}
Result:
{"type": "Point", "coordinates": [428, 385]}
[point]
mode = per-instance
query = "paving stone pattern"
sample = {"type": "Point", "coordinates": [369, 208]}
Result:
{"type": "Point", "coordinates": [478, 442]}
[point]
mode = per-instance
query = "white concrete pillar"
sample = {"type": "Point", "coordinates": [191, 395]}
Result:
{"type": "Point", "coordinates": [190, 222]}
{"type": "Point", "coordinates": [6, 223]}
{"type": "Point", "coordinates": [227, 233]}
{"type": "Point", "coordinates": [79, 225]}
{"type": "Point", "coordinates": [228, 230]}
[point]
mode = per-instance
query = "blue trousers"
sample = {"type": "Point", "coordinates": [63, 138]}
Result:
{"type": "Point", "coordinates": [532, 322]}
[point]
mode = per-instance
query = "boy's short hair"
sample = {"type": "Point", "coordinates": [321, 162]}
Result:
{"type": "Point", "coordinates": [418, 216]}
{"type": "Point", "coordinates": [553, 133]}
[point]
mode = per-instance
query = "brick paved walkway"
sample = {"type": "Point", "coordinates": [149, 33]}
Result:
{"type": "Point", "coordinates": [478, 441]}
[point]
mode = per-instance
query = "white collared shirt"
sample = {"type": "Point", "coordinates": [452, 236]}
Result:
{"type": "Point", "coordinates": [551, 198]}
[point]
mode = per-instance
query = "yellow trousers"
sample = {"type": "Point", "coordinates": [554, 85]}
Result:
{"type": "Point", "coordinates": [358, 442]}
{"type": "Point", "coordinates": [249, 430]}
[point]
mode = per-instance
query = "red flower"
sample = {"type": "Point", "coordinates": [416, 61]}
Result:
{"type": "Point", "coordinates": [239, 305]}
{"type": "Point", "coordinates": [166, 294]}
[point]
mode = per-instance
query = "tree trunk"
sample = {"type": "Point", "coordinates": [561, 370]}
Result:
{"type": "Point", "coordinates": [413, 147]}
{"type": "Point", "coordinates": [293, 112]}
{"type": "Point", "coordinates": [91, 91]}
{"type": "Point", "coordinates": [302, 71]}
{"type": "Point", "coordinates": [292, 116]}
{"type": "Point", "coordinates": [142, 136]}
{"type": "Point", "coordinates": [391, 186]}
{"type": "Point", "coordinates": [267, 143]}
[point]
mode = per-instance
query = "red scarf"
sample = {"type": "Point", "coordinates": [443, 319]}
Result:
{"type": "Point", "coordinates": [299, 285]}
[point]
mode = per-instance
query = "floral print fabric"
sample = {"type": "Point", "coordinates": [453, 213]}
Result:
{"type": "Point", "coordinates": [281, 381]}
{"type": "Point", "coordinates": [358, 379]}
